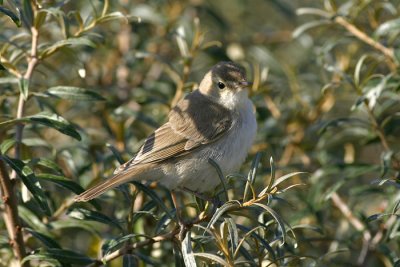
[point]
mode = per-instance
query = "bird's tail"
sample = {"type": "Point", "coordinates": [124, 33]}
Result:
{"type": "Point", "coordinates": [102, 187]}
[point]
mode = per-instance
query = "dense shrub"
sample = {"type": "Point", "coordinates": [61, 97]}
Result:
{"type": "Point", "coordinates": [84, 82]}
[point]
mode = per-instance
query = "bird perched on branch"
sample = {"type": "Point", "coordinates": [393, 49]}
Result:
{"type": "Point", "coordinates": [215, 122]}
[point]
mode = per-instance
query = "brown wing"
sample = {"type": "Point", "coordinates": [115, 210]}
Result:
{"type": "Point", "coordinates": [186, 130]}
{"type": "Point", "coordinates": [199, 119]}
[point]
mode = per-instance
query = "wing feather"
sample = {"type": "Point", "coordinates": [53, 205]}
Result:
{"type": "Point", "coordinates": [186, 130]}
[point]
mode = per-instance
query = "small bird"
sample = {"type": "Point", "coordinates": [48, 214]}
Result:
{"type": "Point", "coordinates": [216, 121]}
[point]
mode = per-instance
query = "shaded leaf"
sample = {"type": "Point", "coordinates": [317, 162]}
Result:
{"type": "Point", "coordinates": [62, 255]}
{"type": "Point", "coordinates": [79, 41]}
{"type": "Point", "coordinates": [6, 145]}
{"type": "Point", "coordinates": [30, 181]}
{"type": "Point", "coordinates": [153, 196]}
{"type": "Point", "coordinates": [11, 15]}
{"type": "Point", "coordinates": [90, 215]}
{"type": "Point", "coordinates": [276, 217]}
{"type": "Point", "coordinates": [212, 257]}
{"type": "Point", "coordinates": [24, 87]}
{"type": "Point", "coordinates": [309, 25]}
{"type": "Point", "coordinates": [74, 93]}
{"type": "Point", "coordinates": [62, 181]}
{"type": "Point", "coordinates": [221, 210]}
{"type": "Point", "coordinates": [220, 176]}
{"type": "Point", "coordinates": [27, 13]}
{"type": "Point", "coordinates": [45, 239]}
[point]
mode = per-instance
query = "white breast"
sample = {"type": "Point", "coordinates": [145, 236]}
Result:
{"type": "Point", "coordinates": [193, 171]}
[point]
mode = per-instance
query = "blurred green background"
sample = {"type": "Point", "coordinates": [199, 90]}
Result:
{"type": "Point", "coordinates": [326, 94]}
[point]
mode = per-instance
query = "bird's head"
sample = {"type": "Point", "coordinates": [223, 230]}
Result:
{"type": "Point", "coordinates": [226, 84]}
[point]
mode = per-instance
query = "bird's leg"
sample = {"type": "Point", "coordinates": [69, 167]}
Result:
{"type": "Point", "coordinates": [214, 200]}
{"type": "Point", "coordinates": [182, 225]}
{"type": "Point", "coordinates": [176, 205]}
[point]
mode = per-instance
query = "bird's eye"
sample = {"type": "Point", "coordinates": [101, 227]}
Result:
{"type": "Point", "coordinates": [221, 85]}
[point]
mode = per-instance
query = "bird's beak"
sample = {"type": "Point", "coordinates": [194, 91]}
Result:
{"type": "Point", "coordinates": [245, 84]}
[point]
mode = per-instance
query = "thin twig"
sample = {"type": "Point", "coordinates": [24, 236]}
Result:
{"type": "Point", "coordinates": [353, 220]}
{"type": "Point", "coordinates": [10, 214]}
{"type": "Point", "coordinates": [7, 185]}
{"type": "Point", "coordinates": [32, 62]}
{"type": "Point", "coordinates": [388, 52]}
{"type": "Point", "coordinates": [196, 43]}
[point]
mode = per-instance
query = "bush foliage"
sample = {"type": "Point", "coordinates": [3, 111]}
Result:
{"type": "Point", "coordinates": [84, 82]}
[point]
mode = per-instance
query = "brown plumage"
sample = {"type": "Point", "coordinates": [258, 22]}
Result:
{"type": "Point", "coordinates": [197, 121]}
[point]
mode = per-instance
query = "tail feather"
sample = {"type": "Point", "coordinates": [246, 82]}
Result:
{"type": "Point", "coordinates": [103, 186]}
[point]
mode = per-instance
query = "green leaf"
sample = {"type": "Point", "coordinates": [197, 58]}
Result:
{"type": "Point", "coordinates": [6, 145]}
{"type": "Point", "coordinates": [212, 258]}
{"type": "Point", "coordinates": [89, 215]}
{"type": "Point", "coordinates": [221, 210]}
{"type": "Point", "coordinates": [233, 233]}
{"type": "Point", "coordinates": [48, 119]}
{"type": "Point", "coordinates": [40, 18]}
{"type": "Point", "coordinates": [276, 217]}
{"type": "Point", "coordinates": [45, 239]}
{"type": "Point", "coordinates": [113, 244]}
{"type": "Point", "coordinates": [312, 11]}
{"type": "Point", "coordinates": [61, 181]}
{"type": "Point", "coordinates": [187, 252]}
{"type": "Point", "coordinates": [27, 14]}
{"type": "Point", "coordinates": [220, 176]}
{"type": "Point", "coordinates": [62, 255]}
{"type": "Point", "coordinates": [153, 196]}
{"type": "Point", "coordinates": [29, 179]}
{"type": "Point", "coordinates": [80, 41]}
{"type": "Point", "coordinates": [285, 177]}
{"type": "Point", "coordinates": [11, 15]}
{"type": "Point", "coordinates": [32, 220]}
{"type": "Point", "coordinates": [116, 153]}
{"type": "Point", "coordinates": [41, 258]}
{"type": "Point", "coordinates": [388, 27]}
{"type": "Point", "coordinates": [251, 176]}
{"type": "Point", "coordinates": [74, 93]}
{"type": "Point", "coordinates": [309, 25]}
{"type": "Point", "coordinates": [48, 163]}
{"type": "Point", "coordinates": [24, 87]}
{"type": "Point", "coordinates": [112, 16]}
{"type": "Point", "coordinates": [7, 80]}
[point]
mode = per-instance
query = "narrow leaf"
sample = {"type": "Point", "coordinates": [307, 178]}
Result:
{"type": "Point", "coordinates": [220, 176]}
{"type": "Point", "coordinates": [11, 15]}
{"type": "Point", "coordinates": [74, 93]}
{"type": "Point", "coordinates": [212, 257]}
{"type": "Point", "coordinates": [90, 215]}
{"type": "Point", "coordinates": [29, 179]}
{"type": "Point", "coordinates": [45, 239]}
{"type": "Point", "coordinates": [276, 217]}
{"type": "Point", "coordinates": [27, 13]}
{"type": "Point", "coordinates": [221, 210]}
{"type": "Point", "coordinates": [61, 181]}
{"type": "Point", "coordinates": [187, 253]}
{"type": "Point", "coordinates": [24, 87]}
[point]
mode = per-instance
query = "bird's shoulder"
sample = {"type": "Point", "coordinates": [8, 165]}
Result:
{"type": "Point", "coordinates": [200, 119]}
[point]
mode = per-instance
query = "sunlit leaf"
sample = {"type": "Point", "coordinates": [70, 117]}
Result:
{"type": "Point", "coordinates": [48, 119]}
{"type": "Point", "coordinates": [79, 41]}
{"type": "Point", "coordinates": [388, 27]}
{"type": "Point", "coordinates": [74, 93]}
{"type": "Point", "coordinates": [187, 253]}
{"type": "Point", "coordinates": [90, 215]}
